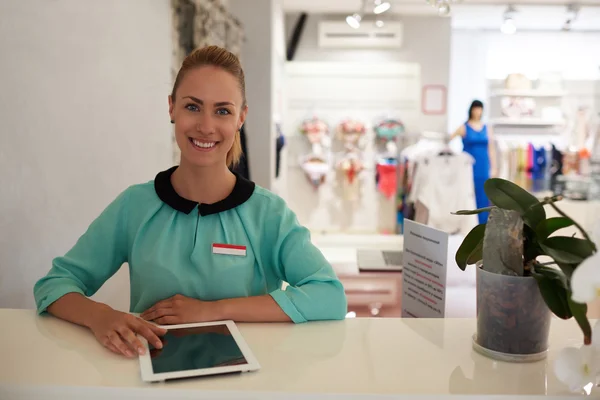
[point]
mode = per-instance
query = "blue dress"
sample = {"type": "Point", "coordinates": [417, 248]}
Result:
{"type": "Point", "coordinates": [476, 144]}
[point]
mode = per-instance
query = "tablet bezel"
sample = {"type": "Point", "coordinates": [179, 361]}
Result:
{"type": "Point", "coordinates": [148, 374]}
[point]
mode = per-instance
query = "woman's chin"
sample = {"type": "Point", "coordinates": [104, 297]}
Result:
{"type": "Point", "coordinates": [202, 160]}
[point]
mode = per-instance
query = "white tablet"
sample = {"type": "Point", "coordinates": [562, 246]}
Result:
{"type": "Point", "coordinates": [198, 349]}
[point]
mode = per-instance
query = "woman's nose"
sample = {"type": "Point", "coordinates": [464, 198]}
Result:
{"type": "Point", "coordinates": [205, 124]}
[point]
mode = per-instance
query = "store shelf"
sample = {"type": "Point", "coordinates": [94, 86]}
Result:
{"type": "Point", "coordinates": [526, 122]}
{"type": "Point", "coordinates": [528, 93]}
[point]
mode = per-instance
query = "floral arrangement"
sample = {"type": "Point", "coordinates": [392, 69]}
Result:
{"type": "Point", "coordinates": [314, 129]}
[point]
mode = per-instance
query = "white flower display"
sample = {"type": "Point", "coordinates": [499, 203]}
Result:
{"type": "Point", "coordinates": [579, 368]}
{"type": "Point", "coordinates": [585, 282]}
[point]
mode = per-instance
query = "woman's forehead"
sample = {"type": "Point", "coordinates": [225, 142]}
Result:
{"type": "Point", "coordinates": [209, 82]}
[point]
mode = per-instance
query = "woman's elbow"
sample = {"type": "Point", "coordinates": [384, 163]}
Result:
{"type": "Point", "coordinates": [334, 305]}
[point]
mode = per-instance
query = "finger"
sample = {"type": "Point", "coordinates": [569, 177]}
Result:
{"type": "Point", "coordinates": [112, 348]}
{"type": "Point", "coordinates": [132, 340]}
{"type": "Point", "coordinates": [168, 320]}
{"type": "Point", "coordinates": [123, 348]}
{"type": "Point", "coordinates": [159, 312]}
{"type": "Point", "coordinates": [144, 330]}
{"type": "Point", "coordinates": [160, 304]}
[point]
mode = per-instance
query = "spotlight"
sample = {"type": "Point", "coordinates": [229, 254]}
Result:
{"type": "Point", "coordinates": [381, 6]}
{"type": "Point", "coordinates": [354, 20]}
{"type": "Point", "coordinates": [508, 27]}
{"type": "Point", "coordinates": [443, 8]}
{"type": "Point", "coordinates": [379, 23]}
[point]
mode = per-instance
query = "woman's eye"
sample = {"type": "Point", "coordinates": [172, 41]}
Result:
{"type": "Point", "coordinates": [223, 111]}
{"type": "Point", "coordinates": [191, 107]}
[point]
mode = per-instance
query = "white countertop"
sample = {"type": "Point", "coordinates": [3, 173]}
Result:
{"type": "Point", "coordinates": [355, 358]}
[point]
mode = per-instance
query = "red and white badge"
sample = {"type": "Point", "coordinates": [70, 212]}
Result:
{"type": "Point", "coordinates": [229, 249]}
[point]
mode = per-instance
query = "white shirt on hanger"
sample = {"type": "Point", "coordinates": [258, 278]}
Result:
{"type": "Point", "coordinates": [444, 184]}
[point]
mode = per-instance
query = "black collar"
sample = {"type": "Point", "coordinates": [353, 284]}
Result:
{"type": "Point", "coordinates": [242, 191]}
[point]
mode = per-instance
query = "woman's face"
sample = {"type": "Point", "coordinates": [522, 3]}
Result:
{"type": "Point", "coordinates": [476, 113]}
{"type": "Point", "coordinates": [207, 112]}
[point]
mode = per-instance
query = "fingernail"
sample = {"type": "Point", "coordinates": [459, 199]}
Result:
{"type": "Point", "coordinates": [141, 351]}
{"type": "Point", "coordinates": [158, 345]}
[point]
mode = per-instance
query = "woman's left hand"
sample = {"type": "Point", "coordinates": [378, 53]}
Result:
{"type": "Point", "coordinates": [180, 309]}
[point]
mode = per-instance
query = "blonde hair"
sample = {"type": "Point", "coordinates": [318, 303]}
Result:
{"type": "Point", "coordinates": [221, 58]}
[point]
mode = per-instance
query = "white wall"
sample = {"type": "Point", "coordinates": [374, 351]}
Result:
{"type": "Point", "coordinates": [258, 19]}
{"type": "Point", "coordinates": [426, 42]}
{"type": "Point", "coordinates": [83, 114]}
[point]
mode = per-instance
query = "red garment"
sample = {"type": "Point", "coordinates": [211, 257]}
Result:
{"type": "Point", "coordinates": [388, 179]}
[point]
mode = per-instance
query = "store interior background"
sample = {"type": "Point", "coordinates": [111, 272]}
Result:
{"type": "Point", "coordinates": [84, 115]}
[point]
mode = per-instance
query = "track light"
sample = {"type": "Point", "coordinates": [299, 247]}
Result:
{"type": "Point", "coordinates": [443, 7]}
{"type": "Point", "coordinates": [381, 6]}
{"type": "Point", "coordinates": [508, 25]}
{"type": "Point", "coordinates": [354, 20]}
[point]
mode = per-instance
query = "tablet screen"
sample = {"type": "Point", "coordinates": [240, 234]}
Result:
{"type": "Point", "coordinates": [196, 348]}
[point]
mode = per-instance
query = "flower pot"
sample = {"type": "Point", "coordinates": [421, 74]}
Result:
{"type": "Point", "coordinates": [513, 321]}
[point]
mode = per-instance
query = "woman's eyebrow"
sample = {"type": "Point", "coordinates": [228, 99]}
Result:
{"type": "Point", "coordinates": [219, 104]}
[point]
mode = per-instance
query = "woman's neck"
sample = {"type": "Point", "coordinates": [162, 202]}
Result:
{"type": "Point", "coordinates": [206, 185]}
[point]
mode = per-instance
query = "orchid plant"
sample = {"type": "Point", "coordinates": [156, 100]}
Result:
{"type": "Point", "coordinates": [568, 283]}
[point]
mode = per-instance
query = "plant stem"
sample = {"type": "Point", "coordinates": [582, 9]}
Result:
{"type": "Point", "coordinates": [550, 200]}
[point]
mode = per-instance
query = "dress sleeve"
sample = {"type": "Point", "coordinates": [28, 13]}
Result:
{"type": "Point", "coordinates": [97, 255]}
{"type": "Point", "coordinates": [313, 291]}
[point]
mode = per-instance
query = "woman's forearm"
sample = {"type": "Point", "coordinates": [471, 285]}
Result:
{"type": "Point", "coordinates": [251, 309]}
{"type": "Point", "coordinates": [76, 308]}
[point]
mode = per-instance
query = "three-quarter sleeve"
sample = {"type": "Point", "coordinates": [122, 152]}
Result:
{"type": "Point", "coordinates": [313, 292]}
{"type": "Point", "coordinates": [96, 256]}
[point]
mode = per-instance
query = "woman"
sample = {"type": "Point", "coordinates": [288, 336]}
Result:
{"type": "Point", "coordinates": [202, 243]}
{"type": "Point", "coordinates": [478, 141]}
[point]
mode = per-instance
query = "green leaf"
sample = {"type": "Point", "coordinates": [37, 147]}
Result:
{"type": "Point", "coordinates": [469, 246]}
{"type": "Point", "coordinates": [554, 290]}
{"type": "Point", "coordinates": [580, 313]}
{"type": "Point", "coordinates": [476, 255]}
{"type": "Point", "coordinates": [507, 195]}
{"type": "Point", "coordinates": [567, 269]}
{"type": "Point", "coordinates": [567, 250]}
{"type": "Point", "coordinates": [551, 225]}
{"type": "Point", "coordinates": [531, 246]}
{"type": "Point", "coordinates": [473, 212]}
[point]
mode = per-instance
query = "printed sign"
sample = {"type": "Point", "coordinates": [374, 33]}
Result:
{"type": "Point", "coordinates": [424, 271]}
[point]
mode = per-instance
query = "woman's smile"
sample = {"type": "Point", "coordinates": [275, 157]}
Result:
{"type": "Point", "coordinates": [203, 145]}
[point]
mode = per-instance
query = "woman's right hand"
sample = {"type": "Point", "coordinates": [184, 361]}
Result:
{"type": "Point", "coordinates": [117, 331]}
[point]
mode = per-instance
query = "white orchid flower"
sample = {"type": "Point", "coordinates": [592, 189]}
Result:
{"type": "Point", "coordinates": [585, 282]}
{"type": "Point", "coordinates": [579, 369]}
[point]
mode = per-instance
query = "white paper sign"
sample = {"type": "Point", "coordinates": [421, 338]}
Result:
{"type": "Point", "coordinates": [424, 271]}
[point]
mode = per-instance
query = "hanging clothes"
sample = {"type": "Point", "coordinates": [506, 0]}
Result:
{"type": "Point", "coordinates": [475, 143]}
{"type": "Point", "coordinates": [444, 184]}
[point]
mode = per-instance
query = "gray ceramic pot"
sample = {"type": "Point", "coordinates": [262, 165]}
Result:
{"type": "Point", "coordinates": [512, 318]}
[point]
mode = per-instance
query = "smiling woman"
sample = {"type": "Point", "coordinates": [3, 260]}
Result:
{"type": "Point", "coordinates": [202, 243]}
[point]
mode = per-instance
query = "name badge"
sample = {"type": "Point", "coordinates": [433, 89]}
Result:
{"type": "Point", "coordinates": [229, 249]}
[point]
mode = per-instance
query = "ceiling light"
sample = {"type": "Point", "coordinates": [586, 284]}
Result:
{"type": "Point", "coordinates": [354, 20]}
{"type": "Point", "coordinates": [381, 6]}
{"type": "Point", "coordinates": [379, 23]}
{"type": "Point", "coordinates": [443, 8]}
{"type": "Point", "coordinates": [508, 26]}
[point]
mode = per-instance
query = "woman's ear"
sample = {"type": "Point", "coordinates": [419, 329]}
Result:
{"type": "Point", "coordinates": [243, 116]}
{"type": "Point", "coordinates": [171, 106]}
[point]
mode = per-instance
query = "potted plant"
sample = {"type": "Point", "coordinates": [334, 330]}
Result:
{"type": "Point", "coordinates": [516, 288]}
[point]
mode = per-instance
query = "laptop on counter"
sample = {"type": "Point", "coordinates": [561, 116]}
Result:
{"type": "Point", "coordinates": [377, 260]}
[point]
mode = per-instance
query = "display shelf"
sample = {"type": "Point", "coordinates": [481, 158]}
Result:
{"type": "Point", "coordinates": [527, 93]}
{"type": "Point", "coordinates": [527, 121]}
